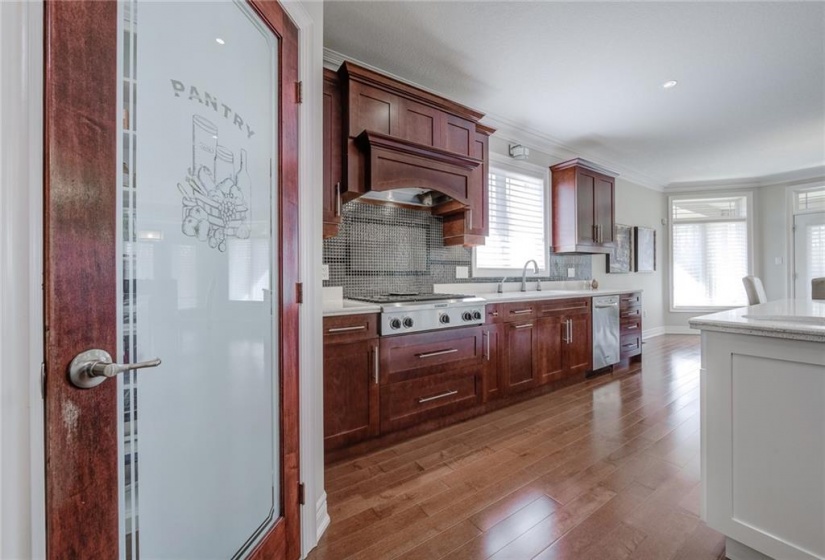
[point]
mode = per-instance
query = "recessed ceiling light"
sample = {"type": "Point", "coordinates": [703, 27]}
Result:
{"type": "Point", "coordinates": [222, 42]}
{"type": "Point", "coordinates": [669, 84]}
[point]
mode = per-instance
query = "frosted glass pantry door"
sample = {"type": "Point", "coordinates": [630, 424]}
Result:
{"type": "Point", "coordinates": [200, 433]}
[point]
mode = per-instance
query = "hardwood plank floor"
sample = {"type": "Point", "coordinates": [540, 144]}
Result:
{"type": "Point", "coordinates": [606, 469]}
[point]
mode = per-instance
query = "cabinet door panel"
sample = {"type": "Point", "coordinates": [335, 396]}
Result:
{"type": "Point", "coordinates": [333, 146]}
{"type": "Point", "coordinates": [492, 371]}
{"type": "Point", "coordinates": [350, 393]}
{"type": "Point", "coordinates": [603, 208]}
{"type": "Point", "coordinates": [519, 363]}
{"type": "Point", "coordinates": [550, 348]}
{"type": "Point", "coordinates": [372, 109]}
{"type": "Point", "coordinates": [585, 185]}
{"type": "Point", "coordinates": [420, 124]}
{"type": "Point", "coordinates": [578, 351]}
{"type": "Point", "coordinates": [460, 135]}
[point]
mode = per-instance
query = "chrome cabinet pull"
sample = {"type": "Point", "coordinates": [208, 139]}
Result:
{"type": "Point", "coordinates": [441, 396]}
{"type": "Point", "coordinates": [570, 330]}
{"type": "Point", "coordinates": [438, 353]}
{"type": "Point", "coordinates": [338, 198]}
{"type": "Point", "coordinates": [521, 311]}
{"type": "Point", "coordinates": [93, 367]}
{"type": "Point", "coordinates": [376, 364]}
{"type": "Point", "coordinates": [525, 326]}
{"type": "Point", "coordinates": [347, 329]}
{"type": "Point", "coordinates": [633, 327]}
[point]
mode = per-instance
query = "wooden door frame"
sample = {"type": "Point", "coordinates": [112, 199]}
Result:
{"type": "Point", "coordinates": [80, 139]}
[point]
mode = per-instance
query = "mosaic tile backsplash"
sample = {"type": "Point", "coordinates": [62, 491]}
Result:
{"type": "Point", "coordinates": [382, 248]}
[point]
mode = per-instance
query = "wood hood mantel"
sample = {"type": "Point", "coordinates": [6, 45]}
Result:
{"type": "Point", "coordinates": [393, 163]}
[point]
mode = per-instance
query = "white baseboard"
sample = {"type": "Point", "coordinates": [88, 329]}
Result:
{"type": "Point", "coordinates": [654, 332]}
{"type": "Point", "coordinates": [322, 519]}
{"type": "Point", "coordinates": [681, 330]}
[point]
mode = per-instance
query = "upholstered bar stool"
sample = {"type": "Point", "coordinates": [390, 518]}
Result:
{"type": "Point", "coordinates": [755, 290]}
{"type": "Point", "coordinates": [818, 288]}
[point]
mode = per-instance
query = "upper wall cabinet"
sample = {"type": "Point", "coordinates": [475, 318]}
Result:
{"type": "Point", "coordinates": [583, 207]}
{"type": "Point", "coordinates": [333, 162]}
{"type": "Point", "coordinates": [393, 135]}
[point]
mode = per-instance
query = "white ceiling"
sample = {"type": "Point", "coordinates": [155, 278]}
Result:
{"type": "Point", "coordinates": [750, 100]}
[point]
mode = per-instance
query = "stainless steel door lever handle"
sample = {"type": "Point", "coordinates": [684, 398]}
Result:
{"type": "Point", "coordinates": [92, 367]}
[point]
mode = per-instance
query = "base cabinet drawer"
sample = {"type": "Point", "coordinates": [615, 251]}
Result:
{"type": "Point", "coordinates": [407, 356]}
{"type": "Point", "coordinates": [631, 326]}
{"type": "Point", "coordinates": [409, 402]}
{"type": "Point", "coordinates": [630, 345]}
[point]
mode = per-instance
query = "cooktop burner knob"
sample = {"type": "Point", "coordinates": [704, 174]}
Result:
{"type": "Point", "coordinates": [408, 322]}
{"type": "Point", "coordinates": [467, 316]}
{"type": "Point", "coordinates": [477, 315]}
{"type": "Point", "coordinates": [395, 323]}
{"type": "Point", "coordinates": [444, 319]}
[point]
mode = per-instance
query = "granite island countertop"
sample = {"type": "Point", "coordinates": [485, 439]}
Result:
{"type": "Point", "coordinates": [794, 319]}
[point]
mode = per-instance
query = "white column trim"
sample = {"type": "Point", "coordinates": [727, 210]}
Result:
{"type": "Point", "coordinates": [314, 516]}
{"type": "Point", "coordinates": [22, 477]}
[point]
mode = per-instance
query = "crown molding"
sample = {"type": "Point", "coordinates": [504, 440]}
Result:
{"type": "Point", "coordinates": [814, 174]}
{"type": "Point", "coordinates": [534, 139]}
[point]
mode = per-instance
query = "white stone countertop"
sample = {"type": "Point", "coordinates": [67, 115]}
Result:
{"type": "Point", "coordinates": [336, 304]}
{"type": "Point", "coordinates": [349, 307]}
{"type": "Point", "coordinates": [795, 319]}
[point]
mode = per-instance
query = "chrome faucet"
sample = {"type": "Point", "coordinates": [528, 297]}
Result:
{"type": "Point", "coordinates": [500, 287]}
{"type": "Point", "coordinates": [524, 274]}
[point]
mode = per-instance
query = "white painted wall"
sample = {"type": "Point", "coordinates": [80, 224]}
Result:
{"type": "Point", "coordinates": [635, 206]}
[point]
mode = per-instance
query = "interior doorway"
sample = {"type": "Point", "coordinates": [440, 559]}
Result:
{"type": "Point", "coordinates": [809, 251]}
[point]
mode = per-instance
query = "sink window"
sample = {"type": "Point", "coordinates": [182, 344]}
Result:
{"type": "Point", "coordinates": [710, 250]}
{"type": "Point", "coordinates": [518, 222]}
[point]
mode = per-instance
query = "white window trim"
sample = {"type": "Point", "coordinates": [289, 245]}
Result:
{"type": "Point", "coordinates": [517, 166]}
{"type": "Point", "coordinates": [750, 252]}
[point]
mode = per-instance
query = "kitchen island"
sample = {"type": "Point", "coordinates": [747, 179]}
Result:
{"type": "Point", "coordinates": [763, 428]}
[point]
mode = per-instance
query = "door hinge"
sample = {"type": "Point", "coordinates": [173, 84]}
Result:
{"type": "Point", "coordinates": [43, 380]}
{"type": "Point", "coordinates": [299, 292]}
{"type": "Point", "coordinates": [301, 494]}
{"type": "Point", "coordinates": [299, 92]}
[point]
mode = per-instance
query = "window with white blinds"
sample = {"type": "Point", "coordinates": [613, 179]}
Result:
{"type": "Point", "coordinates": [709, 251]}
{"type": "Point", "coordinates": [518, 226]}
{"type": "Point", "coordinates": [810, 200]}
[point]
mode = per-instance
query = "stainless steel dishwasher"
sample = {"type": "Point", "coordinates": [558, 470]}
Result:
{"type": "Point", "coordinates": [605, 331]}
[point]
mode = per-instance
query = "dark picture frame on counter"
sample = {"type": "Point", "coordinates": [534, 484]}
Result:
{"type": "Point", "coordinates": [645, 249]}
{"type": "Point", "coordinates": [619, 259]}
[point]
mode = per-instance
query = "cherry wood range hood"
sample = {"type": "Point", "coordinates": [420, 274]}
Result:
{"type": "Point", "coordinates": [381, 134]}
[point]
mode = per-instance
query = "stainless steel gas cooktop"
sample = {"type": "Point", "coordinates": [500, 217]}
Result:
{"type": "Point", "coordinates": [403, 313]}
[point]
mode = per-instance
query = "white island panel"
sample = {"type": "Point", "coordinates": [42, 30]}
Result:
{"type": "Point", "coordinates": [763, 442]}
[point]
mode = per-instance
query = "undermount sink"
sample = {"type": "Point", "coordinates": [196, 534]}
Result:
{"type": "Point", "coordinates": [805, 320]}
